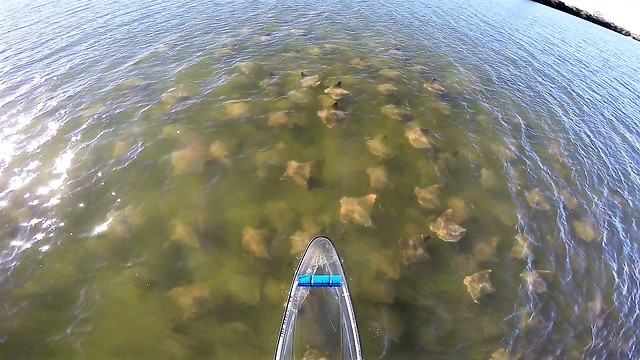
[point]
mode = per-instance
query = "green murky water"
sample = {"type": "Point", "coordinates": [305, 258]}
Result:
{"type": "Point", "coordinates": [147, 210]}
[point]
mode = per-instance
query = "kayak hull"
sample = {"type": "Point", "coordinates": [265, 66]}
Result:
{"type": "Point", "coordinates": [319, 320]}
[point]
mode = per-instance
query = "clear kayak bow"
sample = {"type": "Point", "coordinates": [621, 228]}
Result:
{"type": "Point", "coordinates": [319, 321]}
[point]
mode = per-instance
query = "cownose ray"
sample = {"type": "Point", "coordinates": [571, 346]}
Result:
{"type": "Point", "coordinates": [331, 116]}
{"type": "Point", "coordinates": [429, 197]}
{"type": "Point", "coordinates": [129, 83]}
{"type": "Point", "coordinates": [173, 131]}
{"type": "Point", "coordinates": [360, 63]}
{"type": "Point", "coordinates": [297, 172]}
{"type": "Point", "coordinates": [418, 137]}
{"type": "Point", "coordinates": [336, 91]}
{"type": "Point", "coordinates": [460, 208]}
{"type": "Point", "coordinates": [325, 101]}
{"type": "Point", "coordinates": [123, 148]}
{"type": "Point", "coordinates": [300, 239]}
{"type": "Point", "coordinates": [175, 95]}
{"type": "Point", "coordinates": [446, 228]}
{"type": "Point", "coordinates": [386, 89]}
{"type": "Point", "coordinates": [596, 309]}
{"type": "Point", "coordinates": [182, 233]}
{"type": "Point", "coordinates": [255, 241]}
{"type": "Point", "coordinates": [585, 229]}
{"type": "Point", "coordinates": [236, 109]}
{"type": "Point", "coordinates": [558, 152]}
{"type": "Point", "coordinates": [309, 81]}
{"type": "Point", "coordinates": [378, 146]}
{"type": "Point", "coordinates": [262, 39]}
{"type": "Point", "coordinates": [389, 73]}
{"type": "Point", "coordinates": [357, 210]}
{"type": "Point", "coordinates": [537, 199]}
{"type": "Point", "coordinates": [377, 177]}
{"type": "Point", "coordinates": [414, 249]}
{"type": "Point", "coordinates": [502, 151]}
{"type": "Point", "coordinates": [440, 106]}
{"type": "Point", "coordinates": [299, 96]}
{"type": "Point", "coordinates": [479, 284]}
{"type": "Point", "coordinates": [266, 160]}
{"type": "Point", "coordinates": [120, 223]}
{"type": "Point", "coordinates": [500, 354]}
{"type": "Point", "coordinates": [272, 82]}
{"type": "Point", "coordinates": [535, 280]}
{"type": "Point", "coordinates": [333, 47]}
{"type": "Point", "coordinates": [188, 297]}
{"type": "Point", "coordinates": [189, 159]}
{"type": "Point", "coordinates": [219, 151]}
{"type": "Point", "coordinates": [485, 250]}
{"type": "Point", "coordinates": [395, 112]}
{"type": "Point", "coordinates": [488, 178]}
{"type": "Point", "coordinates": [435, 87]}
{"type": "Point", "coordinates": [247, 67]}
{"type": "Point", "coordinates": [383, 264]}
{"type": "Point", "coordinates": [314, 51]}
{"type": "Point", "coordinates": [568, 200]}
{"type": "Point", "coordinates": [281, 118]}
{"type": "Point", "coordinates": [227, 50]}
{"type": "Point", "coordinates": [521, 249]}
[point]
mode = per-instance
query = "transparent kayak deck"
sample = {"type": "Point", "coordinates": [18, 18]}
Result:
{"type": "Point", "coordinates": [319, 321]}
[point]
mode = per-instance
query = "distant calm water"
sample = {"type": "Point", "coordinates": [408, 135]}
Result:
{"type": "Point", "coordinates": [144, 213]}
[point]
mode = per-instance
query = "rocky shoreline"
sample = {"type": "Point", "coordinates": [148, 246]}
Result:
{"type": "Point", "coordinates": [572, 10]}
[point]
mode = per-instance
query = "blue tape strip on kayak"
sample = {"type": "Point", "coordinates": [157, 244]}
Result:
{"type": "Point", "coordinates": [319, 280]}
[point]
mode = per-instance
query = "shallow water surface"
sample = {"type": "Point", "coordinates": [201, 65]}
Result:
{"type": "Point", "coordinates": [151, 207]}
